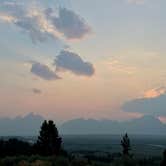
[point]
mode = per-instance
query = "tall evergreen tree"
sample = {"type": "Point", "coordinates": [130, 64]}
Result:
{"type": "Point", "coordinates": [125, 143]}
{"type": "Point", "coordinates": [49, 142]}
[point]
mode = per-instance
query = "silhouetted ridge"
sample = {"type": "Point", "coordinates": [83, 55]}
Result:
{"type": "Point", "coordinates": [21, 126]}
{"type": "Point", "coordinates": [143, 125]}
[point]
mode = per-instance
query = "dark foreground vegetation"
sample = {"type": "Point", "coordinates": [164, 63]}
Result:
{"type": "Point", "coordinates": [48, 151]}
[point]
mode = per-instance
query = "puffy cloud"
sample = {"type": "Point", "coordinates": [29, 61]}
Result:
{"type": "Point", "coordinates": [154, 103]}
{"type": "Point", "coordinates": [69, 61]}
{"type": "Point", "coordinates": [43, 71]}
{"type": "Point", "coordinates": [43, 24]}
{"type": "Point", "coordinates": [36, 91]}
{"type": "Point", "coordinates": [69, 23]}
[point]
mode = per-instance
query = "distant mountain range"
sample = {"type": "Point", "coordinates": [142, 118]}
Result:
{"type": "Point", "coordinates": [30, 125]}
{"type": "Point", "coordinates": [21, 126]}
{"type": "Point", "coordinates": [144, 125]}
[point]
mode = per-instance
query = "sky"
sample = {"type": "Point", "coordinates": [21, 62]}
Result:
{"type": "Point", "coordinates": [66, 59]}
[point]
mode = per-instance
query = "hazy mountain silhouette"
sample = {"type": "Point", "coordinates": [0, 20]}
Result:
{"type": "Point", "coordinates": [144, 125]}
{"type": "Point", "coordinates": [21, 126]}
{"type": "Point", "coordinates": [30, 125]}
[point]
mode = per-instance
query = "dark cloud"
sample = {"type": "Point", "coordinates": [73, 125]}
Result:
{"type": "Point", "coordinates": [69, 23]}
{"type": "Point", "coordinates": [43, 71]}
{"type": "Point", "coordinates": [69, 61]}
{"type": "Point", "coordinates": [36, 91]}
{"type": "Point", "coordinates": [151, 106]}
{"type": "Point", "coordinates": [42, 24]}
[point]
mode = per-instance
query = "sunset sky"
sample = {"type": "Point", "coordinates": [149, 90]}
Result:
{"type": "Point", "coordinates": [66, 59]}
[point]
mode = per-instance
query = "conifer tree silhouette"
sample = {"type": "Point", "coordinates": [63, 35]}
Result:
{"type": "Point", "coordinates": [125, 143]}
{"type": "Point", "coordinates": [49, 142]}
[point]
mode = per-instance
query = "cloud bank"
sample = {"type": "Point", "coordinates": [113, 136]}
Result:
{"type": "Point", "coordinates": [69, 61]}
{"type": "Point", "coordinates": [153, 104]}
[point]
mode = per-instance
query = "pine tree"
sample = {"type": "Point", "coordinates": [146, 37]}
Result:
{"type": "Point", "coordinates": [125, 143]}
{"type": "Point", "coordinates": [49, 142]}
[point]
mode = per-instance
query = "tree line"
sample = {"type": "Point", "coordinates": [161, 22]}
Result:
{"type": "Point", "coordinates": [49, 143]}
